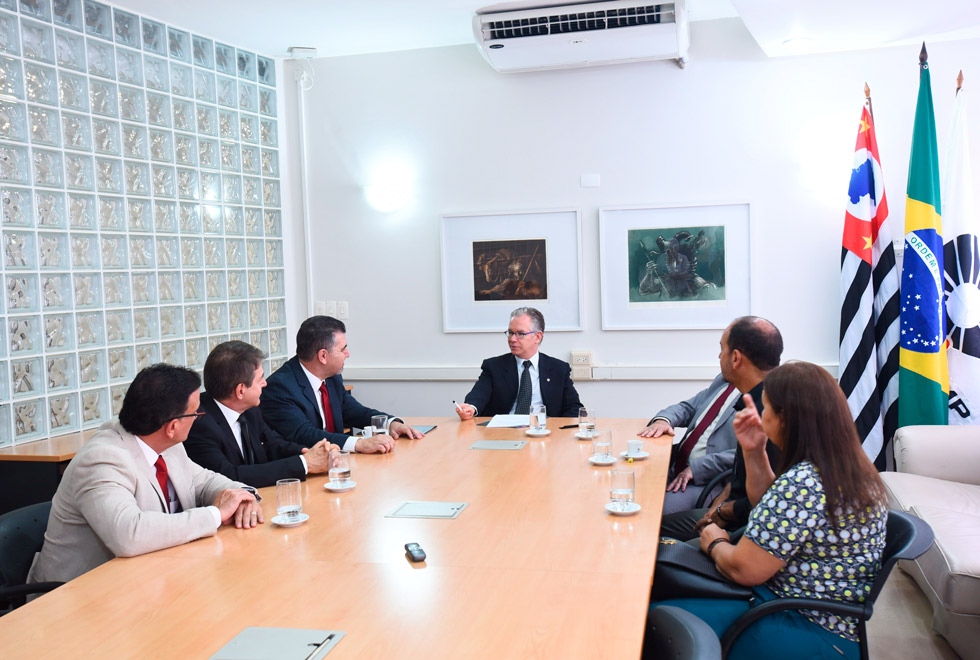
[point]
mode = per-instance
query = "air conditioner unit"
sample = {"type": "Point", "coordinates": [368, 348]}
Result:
{"type": "Point", "coordinates": [584, 34]}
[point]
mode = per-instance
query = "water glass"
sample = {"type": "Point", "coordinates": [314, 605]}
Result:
{"type": "Point", "coordinates": [289, 498]}
{"type": "Point", "coordinates": [586, 422]}
{"type": "Point", "coordinates": [339, 472]}
{"type": "Point", "coordinates": [622, 485]}
{"type": "Point", "coordinates": [379, 422]}
{"type": "Point", "coordinates": [539, 419]}
{"type": "Point", "coordinates": [602, 446]}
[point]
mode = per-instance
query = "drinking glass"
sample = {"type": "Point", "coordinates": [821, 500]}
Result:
{"type": "Point", "coordinates": [378, 422]}
{"type": "Point", "coordinates": [539, 419]}
{"type": "Point", "coordinates": [339, 472]}
{"type": "Point", "coordinates": [586, 422]}
{"type": "Point", "coordinates": [602, 446]}
{"type": "Point", "coordinates": [622, 485]}
{"type": "Point", "coordinates": [289, 498]}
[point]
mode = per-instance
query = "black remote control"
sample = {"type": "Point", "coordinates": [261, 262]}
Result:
{"type": "Point", "coordinates": [415, 551]}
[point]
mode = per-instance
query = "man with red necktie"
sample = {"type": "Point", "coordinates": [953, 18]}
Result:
{"type": "Point", "coordinates": [751, 347]}
{"type": "Point", "coordinates": [131, 489]}
{"type": "Point", "coordinates": [305, 400]}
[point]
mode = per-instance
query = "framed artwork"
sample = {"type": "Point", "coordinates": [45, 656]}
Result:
{"type": "Point", "coordinates": [674, 267]}
{"type": "Point", "coordinates": [494, 263]}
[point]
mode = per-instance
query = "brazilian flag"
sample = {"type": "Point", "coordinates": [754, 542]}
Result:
{"type": "Point", "coordinates": [923, 375]}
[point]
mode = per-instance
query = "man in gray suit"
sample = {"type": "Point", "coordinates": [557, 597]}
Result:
{"type": "Point", "coordinates": [708, 447]}
{"type": "Point", "coordinates": [131, 488]}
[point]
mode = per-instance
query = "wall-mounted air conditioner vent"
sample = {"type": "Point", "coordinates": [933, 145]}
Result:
{"type": "Point", "coordinates": [584, 34]}
{"type": "Point", "coordinates": [583, 21]}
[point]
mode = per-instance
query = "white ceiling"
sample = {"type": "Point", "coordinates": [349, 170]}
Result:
{"type": "Point", "coordinates": [349, 27]}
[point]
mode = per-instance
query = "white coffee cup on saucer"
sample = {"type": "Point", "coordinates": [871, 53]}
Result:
{"type": "Point", "coordinates": [634, 447]}
{"type": "Point", "coordinates": [367, 431]}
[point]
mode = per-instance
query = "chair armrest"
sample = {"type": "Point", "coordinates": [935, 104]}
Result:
{"type": "Point", "coordinates": [950, 453]}
{"type": "Point", "coordinates": [862, 612]}
{"type": "Point", "coordinates": [21, 590]}
{"type": "Point", "coordinates": [721, 477]}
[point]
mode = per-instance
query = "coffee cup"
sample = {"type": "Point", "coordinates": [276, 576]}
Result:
{"type": "Point", "coordinates": [634, 447]}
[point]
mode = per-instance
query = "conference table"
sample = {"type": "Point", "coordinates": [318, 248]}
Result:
{"type": "Point", "coordinates": [532, 567]}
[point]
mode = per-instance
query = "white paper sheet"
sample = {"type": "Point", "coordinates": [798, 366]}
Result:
{"type": "Point", "coordinates": [509, 421]}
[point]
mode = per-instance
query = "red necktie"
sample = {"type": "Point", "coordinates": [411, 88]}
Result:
{"type": "Point", "coordinates": [327, 413]}
{"type": "Point", "coordinates": [684, 452]}
{"type": "Point", "coordinates": [161, 467]}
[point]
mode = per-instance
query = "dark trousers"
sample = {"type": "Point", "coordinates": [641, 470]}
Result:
{"type": "Point", "coordinates": [680, 525]}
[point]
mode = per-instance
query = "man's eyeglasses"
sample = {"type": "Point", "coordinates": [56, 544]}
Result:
{"type": "Point", "coordinates": [522, 335]}
{"type": "Point", "coordinates": [197, 414]}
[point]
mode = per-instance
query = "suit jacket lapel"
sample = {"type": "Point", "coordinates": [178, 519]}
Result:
{"type": "Point", "coordinates": [510, 380]}
{"type": "Point", "coordinates": [227, 435]}
{"type": "Point", "coordinates": [544, 380]}
{"type": "Point", "coordinates": [304, 386]}
{"type": "Point", "coordinates": [147, 471]}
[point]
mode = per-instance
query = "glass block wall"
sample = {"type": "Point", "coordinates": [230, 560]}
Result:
{"type": "Point", "coordinates": [139, 184]}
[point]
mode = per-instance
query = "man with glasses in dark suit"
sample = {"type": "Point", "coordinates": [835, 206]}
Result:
{"type": "Point", "coordinates": [513, 382]}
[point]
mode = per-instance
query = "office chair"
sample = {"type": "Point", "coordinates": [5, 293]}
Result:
{"type": "Point", "coordinates": [906, 537]}
{"type": "Point", "coordinates": [676, 634]}
{"type": "Point", "coordinates": [21, 535]}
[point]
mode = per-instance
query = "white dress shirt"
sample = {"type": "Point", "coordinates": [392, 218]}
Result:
{"type": "Point", "coordinates": [536, 399]}
{"type": "Point", "coordinates": [151, 457]}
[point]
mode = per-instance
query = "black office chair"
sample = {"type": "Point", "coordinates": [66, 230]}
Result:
{"type": "Point", "coordinates": [21, 535]}
{"type": "Point", "coordinates": [906, 537]}
{"type": "Point", "coordinates": [676, 634]}
{"type": "Point", "coordinates": [721, 478]}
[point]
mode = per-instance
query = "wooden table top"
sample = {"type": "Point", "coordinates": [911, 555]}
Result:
{"type": "Point", "coordinates": [50, 450]}
{"type": "Point", "coordinates": [533, 567]}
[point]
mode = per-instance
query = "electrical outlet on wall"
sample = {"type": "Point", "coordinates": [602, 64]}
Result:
{"type": "Point", "coordinates": [580, 358]}
{"type": "Point", "coordinates": [581, 373]}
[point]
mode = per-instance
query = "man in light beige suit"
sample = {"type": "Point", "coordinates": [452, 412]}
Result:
{"type": "Point", "coordinates": [131, 489]}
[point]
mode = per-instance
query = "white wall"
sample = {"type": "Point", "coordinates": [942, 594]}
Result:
{"type": "Point", "coordinates": [733, 126]}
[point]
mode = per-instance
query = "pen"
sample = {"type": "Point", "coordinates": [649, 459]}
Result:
{"type": "Point", "coordinates": [569, 426]}
{"type": "Point", "coordinates": [457, 406]}
{"type": "Point", "coordinates": [318, 646]}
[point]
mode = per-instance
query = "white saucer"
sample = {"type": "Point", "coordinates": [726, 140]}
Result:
{"type": "Point", "coordinates": [605, 461]}
{"type": "Point", "coordinates": [537, 434]}
{"type": "Point", "coordinates": [298, 520]}
{"type": "Point", "coordinates": [636, 457]}
{"type": "Point", "coordinates": [578, 434]}
{"type": "Point", "coordinates": [622, 509]}
{"type": "Point", "coordinates": [340, 489]}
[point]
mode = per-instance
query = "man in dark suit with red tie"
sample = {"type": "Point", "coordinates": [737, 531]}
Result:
{"type": "Point", "coordinates": [232, 438]}
{"type": "Point", "coordinates": [751, 347]}
{"type": "Point", "coordinates": [305, 400]}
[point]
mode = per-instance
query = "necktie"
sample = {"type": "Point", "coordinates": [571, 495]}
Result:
{"type": "Point", "coordinates": [161, 467]}
{"type": "Point", "coordinates": [684, 452]}
{"type": "Point", "coordinates": [328, 423]}
{"type": "Point", "coordinates": [246, 445]}
{"type": "Point", "coordinates": [524, 392]}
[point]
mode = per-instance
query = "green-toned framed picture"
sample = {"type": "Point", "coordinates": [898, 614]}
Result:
{"type": "Point", "coordinates": [674, 266]}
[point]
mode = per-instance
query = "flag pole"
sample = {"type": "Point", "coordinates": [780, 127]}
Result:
{"type": "Point", "coordinates": [867, 100]}
{"type": "Point", "coordinates": [923, 57]}
{"type": "Point", "coordinates": [959, 82]}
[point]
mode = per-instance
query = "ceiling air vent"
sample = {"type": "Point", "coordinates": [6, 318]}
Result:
{"type": "Point", "coordinates": [584, 34]}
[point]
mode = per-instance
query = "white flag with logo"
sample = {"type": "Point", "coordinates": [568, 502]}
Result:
{"type": "Point", "coordinates": [962, 277]}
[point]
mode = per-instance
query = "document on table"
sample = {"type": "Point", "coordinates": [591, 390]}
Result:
{"type": "Point", "coordinates": [509, 421]}
{"type": "Point", "coordinates": [257, 643]}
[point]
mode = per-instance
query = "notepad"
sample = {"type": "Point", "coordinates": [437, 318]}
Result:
{"type": "Point", "coordinates": [259, 643]}
{"type": "Point", "coordinates": [424, 428]}
{"type": "Point", "coordinates": [427, 510]}
{"type": "Point", "coordinates": [511, 445]}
